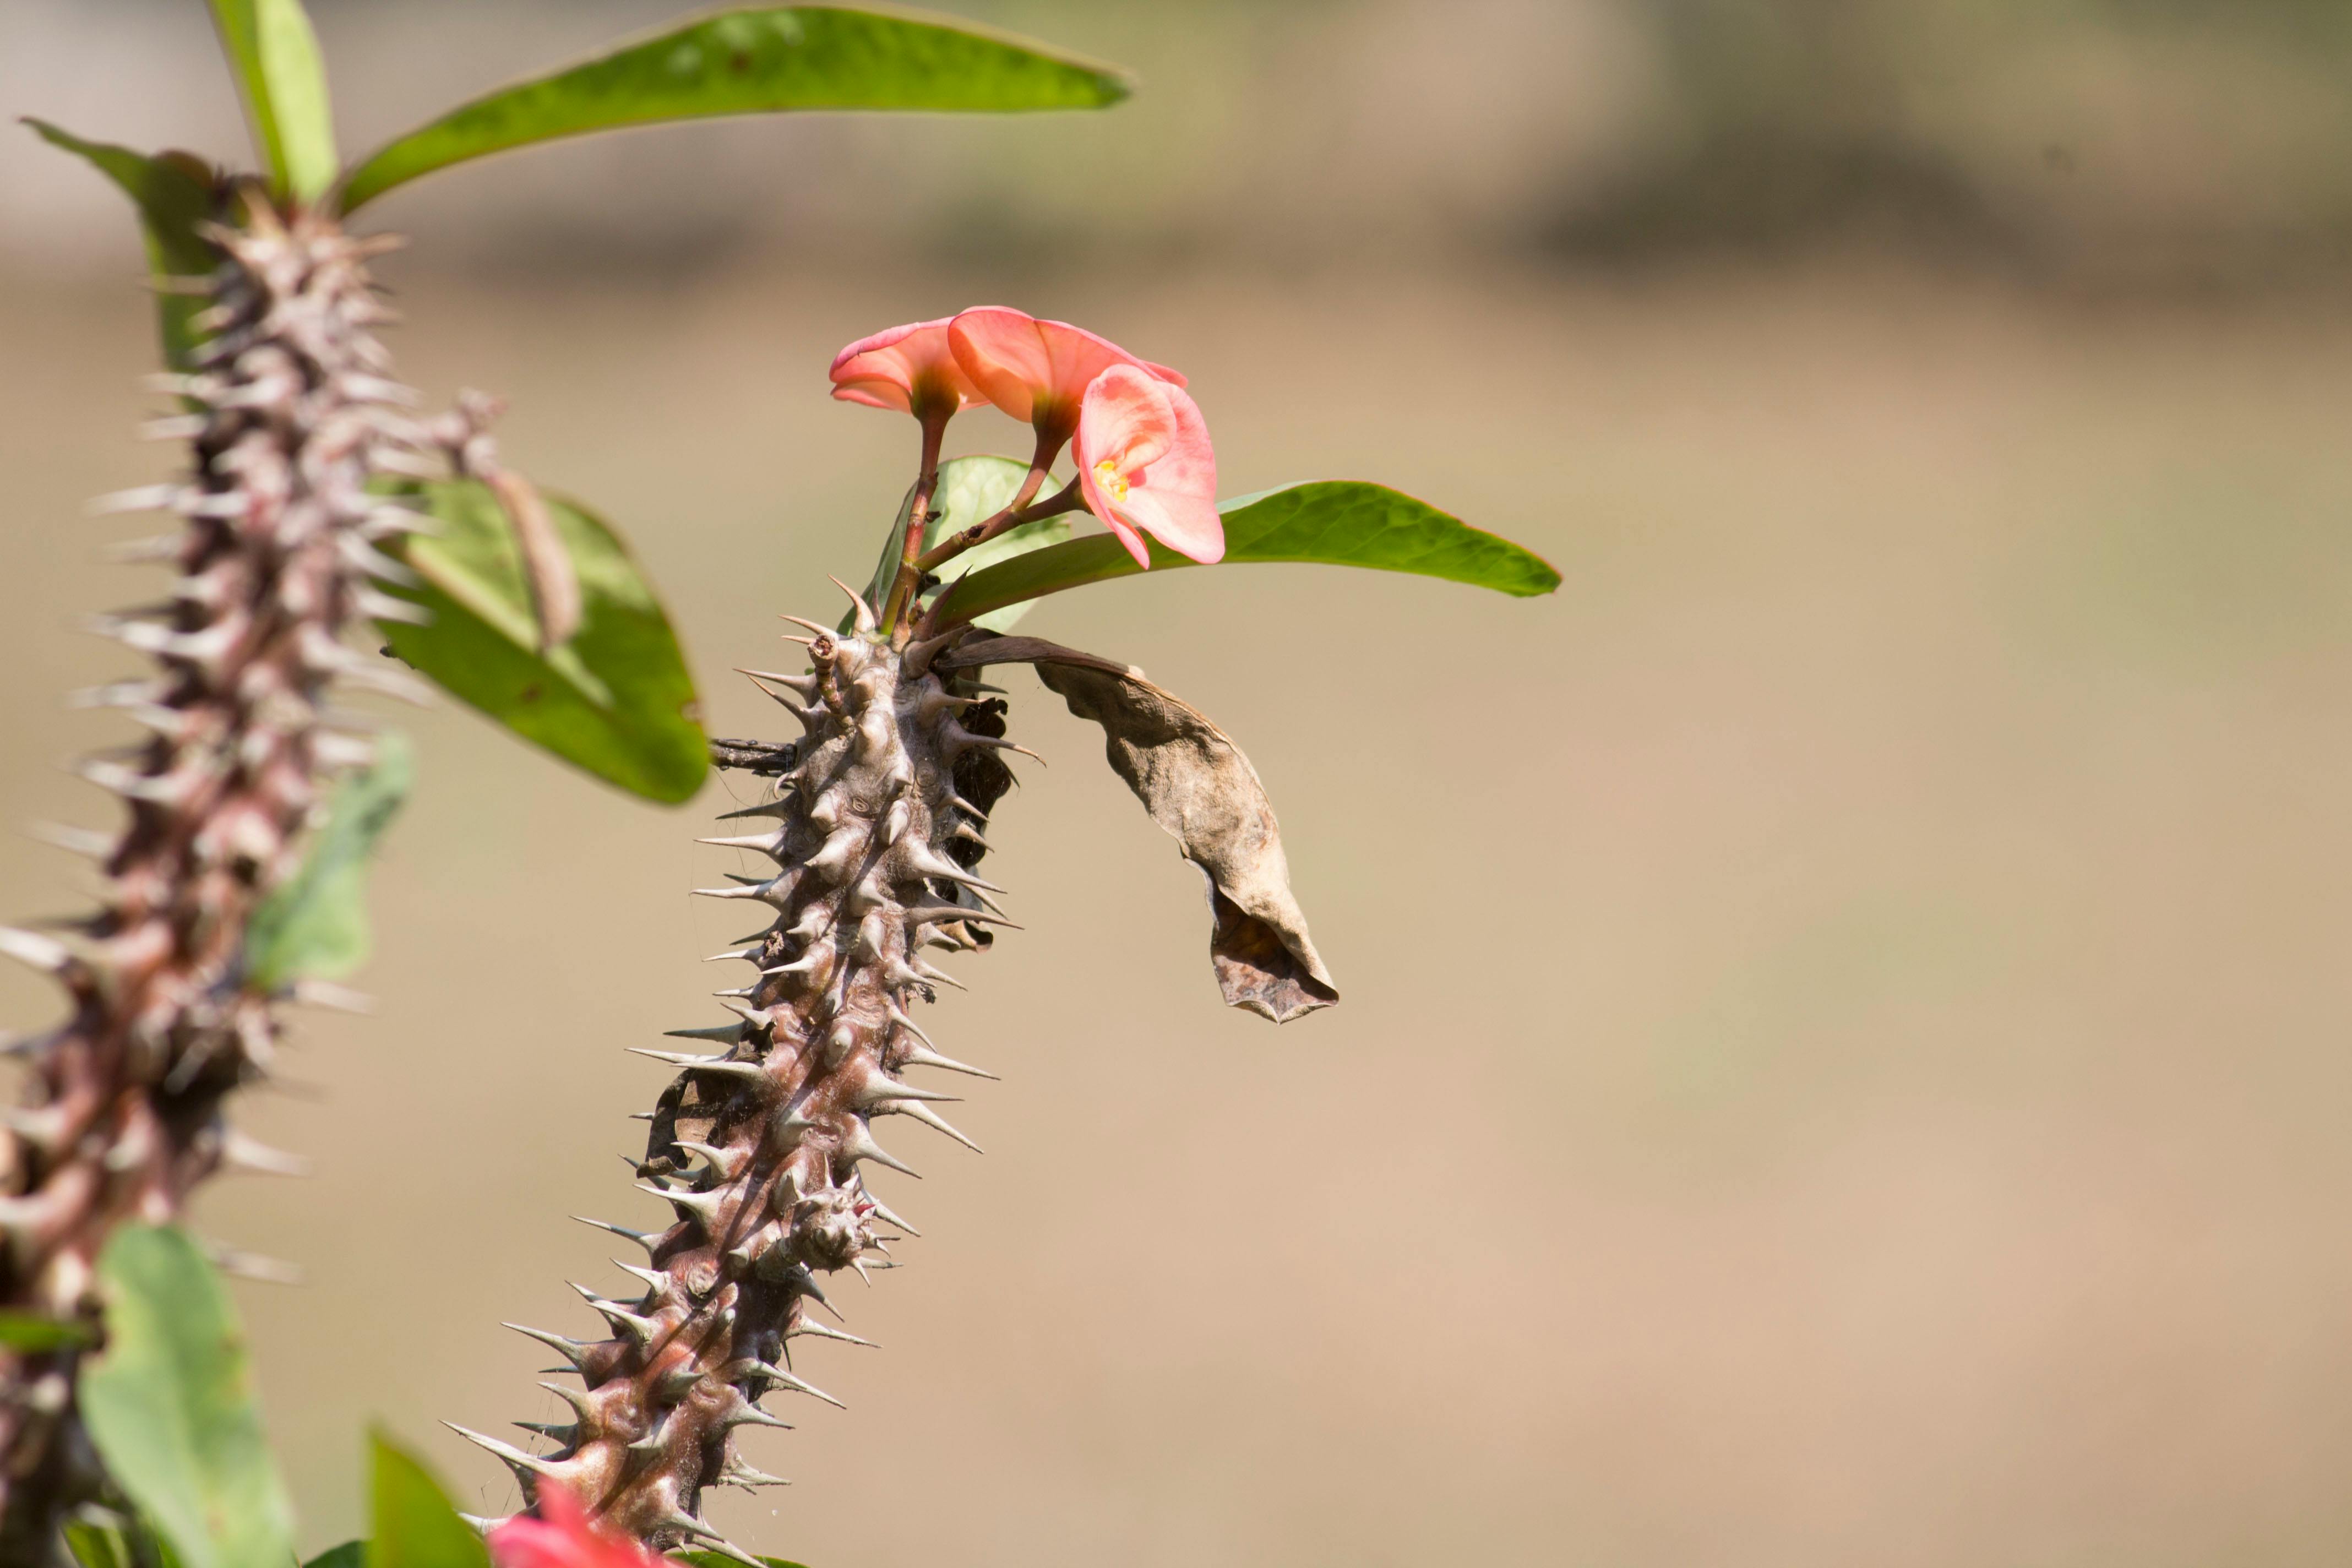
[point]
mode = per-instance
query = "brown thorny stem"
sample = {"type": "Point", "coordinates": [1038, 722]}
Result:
{"type": "Point", "coordinates": [762, 1147]}
{"type": "Point", "coordinates": [292, 414]}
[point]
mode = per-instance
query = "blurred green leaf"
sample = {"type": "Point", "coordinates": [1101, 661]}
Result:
{"type": "Point", "coordinates": [31, 1332]}
{"type": "Point", "coordinates": [173, 192]}
{"type": "Point", "coordinates": [107, 1541]}
{"type": "Point", "coordinates": [315, 924]}
{"type": "Point", "coordinates": [95, 1545]}
{"type": "Point", "coordinates": [349, 1554]}
{"type": "Point", "coordinates": [275, 53]}
{"type": "Point", "coordinates": [758, 61]}
{"type": "Point", "coordinates": [411, 1522]}
{"type": "Point", "coordinates": [170, 1404]}
{"type": "Point", "coordinates": [615, 700]}
{"type": "Point", "coordinates": [971, 490]}
{"type": "Point", "coordinates": [1335, 522]}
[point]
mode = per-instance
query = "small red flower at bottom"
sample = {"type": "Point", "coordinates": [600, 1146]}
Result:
{"type": "Point", "coordinates": [562, 1537]}
{"type": "Point", "coordinates": [1145, 465]}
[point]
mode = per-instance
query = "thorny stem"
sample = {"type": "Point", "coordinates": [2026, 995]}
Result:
{"type": "Point", "coordinates": [919, 517]}
{"type": "Point", "coordinates": [764, 1147]}
{"type": "Point", "coordinates": [292, 414]}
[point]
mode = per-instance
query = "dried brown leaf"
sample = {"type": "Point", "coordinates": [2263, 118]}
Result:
{"type": "Point", "coordinates": [1197, 785]}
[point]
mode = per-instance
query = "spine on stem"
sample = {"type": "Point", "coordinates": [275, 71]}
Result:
{"type": "Point", "coordinates": [292, 411]}
{"type": "Point", "coordinates": [763, 1144]}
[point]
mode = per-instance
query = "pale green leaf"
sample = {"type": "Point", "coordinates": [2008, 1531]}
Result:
{"type": "Point", "coordinates": [971, 490]}
{"type": "Point", "coordinates": [275, 52]}
{"type": "Point", "coordinates": [170, 1406]}
{"type": "Point", "coordinates": [314, 925]}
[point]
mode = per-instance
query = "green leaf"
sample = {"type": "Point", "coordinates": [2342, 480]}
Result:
{"type": "Point", "coordinates": [31, 1332]}
{"type": "Point", "coordinates": [99, 1538]}
{"type": "Point", "coordinates": [971, 490]}
{"type": "Point", "coordinates": [271, 46]}
{"type": "Point", "coordinates": [96, 1545]}
{"type": "Point", "coordinates": [761, 59]}
{"type": "Point", "coordinates": [615, 700]}
{"type": "Point", "coordinates": [349, 1554]}
{"type": "Point", "coordinates": [173, 192]}
{"type": "Point", "coordinates": [1337, 522]}
{"type": "Point", "coordinates": [315, 924]}
{"type": "Point", "coordinates": [411, 1523]}
{"type": "Point", "coordinates": [170, 1404]}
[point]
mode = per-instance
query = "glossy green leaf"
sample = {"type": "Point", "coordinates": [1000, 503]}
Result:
{"type": "Point", "coordinates": [349, 1554]}
{"type": "Point", "coordinates": [173, 192]}
{"type": "Point", "coordinates": [615, 700]}
{"type": "Point", "coordinates": [31, 1332]}
{"type": "Point", "coordinates": [971, 490]}
{"type": "Point", "coordinates": [761, 59]}
{"type": "Point", "coordinates": [170, 1404]}
{"type": "Point", "coordinates": [411, 1522]}
{"type": "Point", "coordinates": [275, 53]}
{"type": "Point", "coordinates": [314, 925]}
{"type": "Point", "coordinates": [1335, 522]}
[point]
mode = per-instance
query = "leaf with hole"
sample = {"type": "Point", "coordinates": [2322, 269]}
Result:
{"type": "Point", "coordinates": [314, 925]}
{"type": "Point", "coordinates": [173, 192]}
{"type": "Point", "coordinates": [1333, 523]}
{"type": "Point", "coordinates": [615, 700]}
{"type": "Point", "coordinates": [761, 59]}
{"type": "Point", "coordinates": [170, 1406]}
{"type": "Point", "coordinates": [274, 51]}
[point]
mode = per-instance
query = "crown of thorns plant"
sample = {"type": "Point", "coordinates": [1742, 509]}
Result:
{"type": "Point", "coordinates": [316, 506]}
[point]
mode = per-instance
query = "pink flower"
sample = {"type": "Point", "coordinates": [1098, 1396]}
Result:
{"type": "Point", "coordinates": [562, 1537]}
{"type": "Point", "coordinates": [1036, 370]}
{"type": "Point", "coordinates": [908, 368]}
{"type": "Point", "coordinates": [1145, 463]}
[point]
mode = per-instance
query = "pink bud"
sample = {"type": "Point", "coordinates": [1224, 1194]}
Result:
{"type": "Point", "coordinates": [1035, 370]}
{"type": "Point", "coordinates": [909, 368]}
{"type": "Point", "coordinates": [562, 1537]}
{"type": "Point", "coordinates": [1145, 463]}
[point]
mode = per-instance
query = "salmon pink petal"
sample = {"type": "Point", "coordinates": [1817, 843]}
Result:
{"type": "Point", "coordinates": [562, 1537]}
{"type": "Point", "coordinates": [1146, 465]}
{"type": "Point", "coordinates": [909, 368]}
{"type": "Point", "coordinates": [1038, 371]}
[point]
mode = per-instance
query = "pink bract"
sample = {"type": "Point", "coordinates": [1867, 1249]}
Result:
{"type": "Point", "coordinates": [1035, 370]}
{"type": "Point", "coordinates": [1145, 465]}
{"type": "Point", "coordinates": [909, 368]}
{"type": "Point", "coordinates": [562, 1537]}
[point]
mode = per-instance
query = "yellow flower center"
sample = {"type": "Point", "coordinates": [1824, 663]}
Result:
{"type": "Point", "coordinates": [1111, 479]}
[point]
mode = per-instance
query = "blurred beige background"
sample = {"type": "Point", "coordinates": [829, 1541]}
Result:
{"type": "Point", "coordinates": [1844, 1054]}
